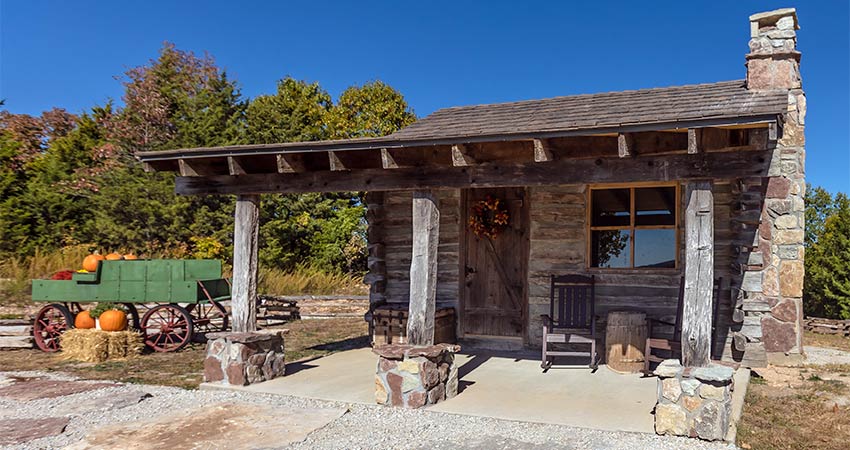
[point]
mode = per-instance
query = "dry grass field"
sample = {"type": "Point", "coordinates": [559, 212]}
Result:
{"type": "Point", "coordinates": [799, 408]}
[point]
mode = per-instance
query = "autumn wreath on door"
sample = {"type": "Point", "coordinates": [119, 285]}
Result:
{"type": "Point", "coordinates": [488, 217]}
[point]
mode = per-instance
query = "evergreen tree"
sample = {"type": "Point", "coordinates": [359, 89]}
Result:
{"type": "Point", "coordinates": [827, 284]}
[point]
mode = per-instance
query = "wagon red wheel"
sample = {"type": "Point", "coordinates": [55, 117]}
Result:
{"type": "Point", "coordinates": [167, 328]}
{"type": "Point", "coordinates": [208, 317]}
{"type": "Point", "coordinates": [50, 322]}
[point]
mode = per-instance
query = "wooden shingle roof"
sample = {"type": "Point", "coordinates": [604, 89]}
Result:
{"type": "Point", "coordinates": [726, 99]}
{"type": "Point", "coordinates": [725, 102]}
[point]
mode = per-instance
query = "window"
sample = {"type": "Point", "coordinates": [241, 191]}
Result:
{"type": "Point", "coordinates": [633, 227]}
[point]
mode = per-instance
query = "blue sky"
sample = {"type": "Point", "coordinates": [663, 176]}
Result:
{"type": "Point", "coordinates": [438, 54]}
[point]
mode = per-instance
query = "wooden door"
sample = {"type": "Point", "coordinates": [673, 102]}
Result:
{"type": "Point", "coordinates": [494, 269]}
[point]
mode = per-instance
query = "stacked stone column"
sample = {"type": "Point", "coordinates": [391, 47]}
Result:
{"type": "Point", "coordinates": [412, 377]}
{"type": "Point", "coordinates": [774, 294]}
{"type": "Point", "coordinates": [693, 402]}
{"type": "Point", "coordinates": [241, 359]}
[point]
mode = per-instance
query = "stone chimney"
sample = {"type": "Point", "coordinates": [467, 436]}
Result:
{"type": "Point", "coordinates": [774, 294]}
{"type": "Point", "coordinates": [773, 61]}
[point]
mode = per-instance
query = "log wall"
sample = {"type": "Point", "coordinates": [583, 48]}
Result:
{"type": "Point", "coordinates": [396, 239]}
{"type": "Point", "coordinates": [557, 246]}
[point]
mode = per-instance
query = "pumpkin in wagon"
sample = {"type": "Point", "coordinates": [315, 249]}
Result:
{"type": "Point", "coordinates": [114, 257]}
{"type": "Point", "coordinates": [91, 261]}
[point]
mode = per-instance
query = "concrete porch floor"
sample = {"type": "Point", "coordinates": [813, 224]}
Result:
{"type": "Point", "coordinates": [505, 386]}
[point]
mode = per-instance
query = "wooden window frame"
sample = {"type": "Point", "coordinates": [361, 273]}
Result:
{"type": "Point", "coordinates": [631, 227]}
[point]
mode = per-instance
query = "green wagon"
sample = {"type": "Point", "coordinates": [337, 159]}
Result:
{"type": "Point", "coordinates": [186, 294]}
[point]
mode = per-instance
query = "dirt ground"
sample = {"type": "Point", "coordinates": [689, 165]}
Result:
{"type": "Point", "coordinates": [306, 338]}
{"type": "Point", "coordinates": [799, 407]}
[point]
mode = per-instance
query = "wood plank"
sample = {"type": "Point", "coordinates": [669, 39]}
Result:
{"type": "Point", "coordinates": [387, 160]}
{"type": "Point", "coordinates": [601, 170]}
{"type": "Point", "coordinates": [461, 156]}
{"type": "Point", "coordinates": [335, 163]}
{"type": "Point", "coordinates": [542, 151]}
{"type": "Point", "coordinates": [699, 274]}
{"type": "Point", "coordinates": [245, 236]}
{"type": "Point", "coordinates": [423, 268]}
{"type": "Point", "coordinates": [16, 342]}
{"type": "Point", "coordinates": [625, 145]}
{"type": "Point", "coordinates": [16, 330]}
{"type": "Point", "coordinates": [234, 166]}
{"type": "Point", "coordinates": [694, 138]}
{"type": "Point", "coordinates": [291, 163]}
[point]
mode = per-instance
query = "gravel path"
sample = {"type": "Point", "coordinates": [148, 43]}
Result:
{"type": "Point", "coordinates": [362, 427]}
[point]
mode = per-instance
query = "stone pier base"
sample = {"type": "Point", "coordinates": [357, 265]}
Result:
{"type": "Point", "coordinates": [240, 359]}
{"type": "Point", "coordinates": [693, 401]}
{"type": "Point", "coordinates": [413, 377]}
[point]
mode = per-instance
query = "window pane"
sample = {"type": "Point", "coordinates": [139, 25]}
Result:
{"type": "Point", "coordinates": [655, 248]}
{"type": "Point", "coordinates": [610, 207]}
{"type": "Point", "coordinates": [655, 206]}
{"type": "Point", "coordinates": [610, 248]}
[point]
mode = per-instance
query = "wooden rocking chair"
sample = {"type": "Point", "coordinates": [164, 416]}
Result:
{"type": "Point", "coordinates": [674, 344]}
{"type": "Point", "coordinates": [571, 318]}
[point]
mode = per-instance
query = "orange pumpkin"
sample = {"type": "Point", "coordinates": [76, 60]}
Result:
{"type": "Point", "coordinates": [83, 320]}
{"type": "Point", "coordinates": [113, 320]}
{"type": "Point", "coordinates": [114, 256]}
{"type": "Point", "coordinates": [130, 256]}
{"type": "Point", "coordinates": [90, 263]}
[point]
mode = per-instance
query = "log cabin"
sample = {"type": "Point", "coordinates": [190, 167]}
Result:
{"type": "Point", "coordinates": [638, 188]}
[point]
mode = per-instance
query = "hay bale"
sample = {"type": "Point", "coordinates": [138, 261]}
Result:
{"type": "Point", "coordinates": [92, 345]}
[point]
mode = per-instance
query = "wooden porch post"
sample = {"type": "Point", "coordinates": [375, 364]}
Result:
{"type": "Point", "coordinates": [699, 274]}
{"type": "Point", "coordinates": [245, 233]}
{"type": "Point", "coordinates": [423, 269]}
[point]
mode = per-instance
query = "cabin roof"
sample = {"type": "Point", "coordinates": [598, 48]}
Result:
{"type": "Point", "coordinates": [725, 102]}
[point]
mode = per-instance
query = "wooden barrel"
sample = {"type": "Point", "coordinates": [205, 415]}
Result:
{"type": "Point", "coordinates": [625, 340]}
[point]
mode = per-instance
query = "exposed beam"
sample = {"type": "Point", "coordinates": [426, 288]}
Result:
{"type": "Point", "coordinates": [699, 274]}
{"type": "Point", "coordinates": [461, 156]}
{"type": "Point", "coordinates": [198, 168]}
{"type": "Point", "coordinates": [603, 170]}
{"type": "Point", "coordinates": [423, 269]}
{"type": "Point", "coordinates": [542, 151]}
{"type": "Point", "coordinates": [625, 145]}
{"type": "Point", "coordinates": [694, 141]}
{"type": "Point", "coordinates": [290, 163]}
{"type": "Point", "coordinates": [234, 166]}
{"type": "Point", "coordinates": [245, 237]}
{"type": "Point", "coordinates": [335, 163]}
{"type": "Point", "coordinates": [387, 160]}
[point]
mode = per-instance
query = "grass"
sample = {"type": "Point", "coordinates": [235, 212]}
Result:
{"type": "Point", "coordinates": [307, 280]}
{"type": "Point", "coordinates": [306, 339]}
{"type": "Point", "coordinates": [801, 418]}
{"type": "Point", "coordinates": [826, 340]}
{"type": "Point", "coordinates": [809, 415]}
{"type": "Point", "coordinates": [17, 272]}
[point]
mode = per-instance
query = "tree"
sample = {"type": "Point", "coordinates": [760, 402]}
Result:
{"type": "Point", "coordinates": [827, 283]}
{"type": "Point", "coordinates": [819, 206]}
{"type": "Point", "coordinates": [374, 109]}
{"type": "Point", "coordinates": [177, 101]}
{"type": "Point", "coordinates": [296, 112]}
